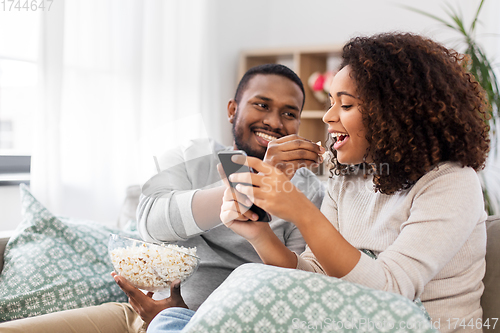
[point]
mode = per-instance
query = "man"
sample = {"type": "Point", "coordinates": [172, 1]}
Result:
{"type": "Point", "coordinates": [183, 204]}
{"type": "Point", "coordinates": [265, 114]}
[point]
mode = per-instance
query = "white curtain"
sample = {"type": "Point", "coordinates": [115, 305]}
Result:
{"type": "Point", "coordinates": [121, 81]}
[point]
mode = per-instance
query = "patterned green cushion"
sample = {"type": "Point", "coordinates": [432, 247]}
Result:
{"type": "Point", "coordinates": [54, 264]}
{"type": "Point", "coordinates": [261, 298]}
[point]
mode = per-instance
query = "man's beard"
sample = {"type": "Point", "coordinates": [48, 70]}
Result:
{"type": "Point", "coordinates": [245, 146]}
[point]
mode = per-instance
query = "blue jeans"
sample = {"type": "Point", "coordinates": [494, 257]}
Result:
{"type": "Point", "coordinates": [171, 320]}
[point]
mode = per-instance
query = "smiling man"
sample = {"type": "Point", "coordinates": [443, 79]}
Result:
{"type": "Point", "coordinates": [184, 207]}
{"type": "Point", "coordinates": [265, 113]}
{"type": "Point", "coordinates": [265, 108]}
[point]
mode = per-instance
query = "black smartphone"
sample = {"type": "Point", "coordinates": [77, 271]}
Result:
{"type": "Point", "coordinates": [231, 167]}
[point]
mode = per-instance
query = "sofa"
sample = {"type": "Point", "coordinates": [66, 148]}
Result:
{"type": "Point", "coordinates": [491, 296]}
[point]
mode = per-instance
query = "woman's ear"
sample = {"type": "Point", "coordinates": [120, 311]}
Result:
{"type": "Point", "coordinates": [231, 110]}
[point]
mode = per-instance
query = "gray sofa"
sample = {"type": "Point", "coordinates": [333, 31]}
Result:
{"type": "Point", "coordinates": [491, 296]}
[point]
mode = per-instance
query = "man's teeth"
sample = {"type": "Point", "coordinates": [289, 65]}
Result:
{"type": "Point", "coordinates": [266, 137]}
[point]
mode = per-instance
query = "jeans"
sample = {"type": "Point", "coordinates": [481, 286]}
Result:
{"type": "Point", "coordinates": [171, 320]}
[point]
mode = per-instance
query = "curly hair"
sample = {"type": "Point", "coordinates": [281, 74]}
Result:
{"type": "Point", "coordinates": [419, 106]}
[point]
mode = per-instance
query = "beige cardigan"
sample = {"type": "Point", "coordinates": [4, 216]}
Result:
{"type": "Point", "coordinates": [430, 239]}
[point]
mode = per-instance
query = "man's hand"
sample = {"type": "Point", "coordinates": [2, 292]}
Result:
{"type": "Point", "coordinates": [291, 153]}
{"type": "Point", "coordinates": [145, 305]}
{"type": "Point", "coordinates": [242, 203]}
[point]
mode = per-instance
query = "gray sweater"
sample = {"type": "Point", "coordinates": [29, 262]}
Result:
{"type": "Point", "coordinates": [430, 240]}
{"type": "Point", "coordinates": [165, 215]}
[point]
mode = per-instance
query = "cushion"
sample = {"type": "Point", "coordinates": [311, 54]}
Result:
{"type": "Point", "coordinates": [262, 298]}
{"type": "Point", "coordinates": [490, 301]}
{"type": "Point", "coordinates": [53, 264]}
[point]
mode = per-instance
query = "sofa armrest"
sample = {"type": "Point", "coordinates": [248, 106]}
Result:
{"type": "Point", "coordinates": [4, 238]}
{"type": "Point", "coordinates": [490, 301]}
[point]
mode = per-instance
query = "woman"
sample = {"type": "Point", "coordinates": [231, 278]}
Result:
{"type": "Point", "coordinates": [409, 133]}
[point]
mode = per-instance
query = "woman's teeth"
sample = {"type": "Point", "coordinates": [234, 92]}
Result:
{"type": "Point", "coordinates": [339, 137]}
{"type": "Point", "coordinates": [266, 137]}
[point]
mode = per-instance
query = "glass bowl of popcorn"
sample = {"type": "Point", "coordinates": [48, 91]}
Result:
{"type": "Point", "coordinates": [149, 266]}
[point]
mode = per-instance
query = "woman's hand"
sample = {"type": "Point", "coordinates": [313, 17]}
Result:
{"type": "Point", "coordinates": [145, 306]}
{"type": "Point", "coordinates": [235, 214]}
{"type": "Point", "coordinates": [271, 190]}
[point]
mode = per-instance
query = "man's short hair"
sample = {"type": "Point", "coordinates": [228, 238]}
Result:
{"type": "Point", "coordinates": [268, 69]}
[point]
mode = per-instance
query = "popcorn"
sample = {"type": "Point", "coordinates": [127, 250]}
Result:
{"type": "Point", "coordinates": [154, 268]}
{"type": "Point", "coordinates": [326, 154]}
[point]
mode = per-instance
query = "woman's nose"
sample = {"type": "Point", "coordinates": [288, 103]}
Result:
{"type": "Point", "coordinates": [331, 115]}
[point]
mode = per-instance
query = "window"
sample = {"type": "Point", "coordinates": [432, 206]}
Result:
{"type": "Point", "coordinates": [19, 35]}
{"type": "Point", "coordinates": [18, 102]}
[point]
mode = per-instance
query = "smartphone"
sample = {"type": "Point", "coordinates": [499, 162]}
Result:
{"type": "Point", "coordinates": [231, 167]}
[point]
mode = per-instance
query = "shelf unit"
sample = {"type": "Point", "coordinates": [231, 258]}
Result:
{"type": "Point", "coordinates": [304, 61]}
